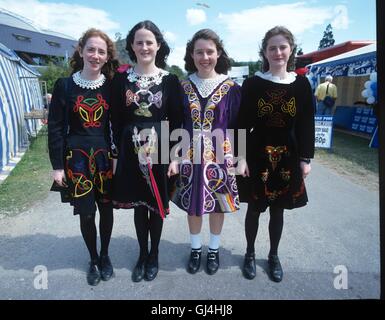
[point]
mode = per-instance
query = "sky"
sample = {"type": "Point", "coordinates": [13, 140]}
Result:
{"type": "Point", "coordinates": [241, 24]}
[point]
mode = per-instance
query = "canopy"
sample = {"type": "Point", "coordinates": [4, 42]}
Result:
{"type": "Point", "coordinates": [358, 62]}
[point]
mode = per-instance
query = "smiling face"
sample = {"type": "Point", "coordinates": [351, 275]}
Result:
{"type": "Point", "coordinates": [205, 56]}
{"type": "Point", "coordinates": [145, 47]}
{"type": "Point", "coordinates": [278, 52]}
{"type": "Point", "coordinates": [94, 55]}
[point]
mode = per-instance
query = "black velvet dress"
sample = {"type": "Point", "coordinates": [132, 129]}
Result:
{"type": "Point", "coordinates": [279, 119]}
{"type": "Point", "coordinates": [144, 103]}
{"type": "Point", "coordinates": [79, 142]}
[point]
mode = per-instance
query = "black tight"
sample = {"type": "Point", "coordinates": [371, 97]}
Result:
{"type": "Point", "coordinates": [146, 224]}
{"type": "Point", "coordinates": [275, 228]}
{"type": "Point", "coordinates": [88, 229]}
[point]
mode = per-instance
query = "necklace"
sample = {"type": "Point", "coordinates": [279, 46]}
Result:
{"type": "Point", "coordinates": [88, 84]}
{"type": "Point", "coordinates": [146, 81]}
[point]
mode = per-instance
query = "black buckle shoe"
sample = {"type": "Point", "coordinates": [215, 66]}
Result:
{"type": "Point", "coordinates": [151, 269]}
{"type": "Point", "coordinates": [106, 269]}
{"type": "Point", "coordinates": [195, 261]}
{"type": "Point", "coordinates": [138, 272]}
{"type": "Point", "coordinates": [212, 262]}
{"type": "Point", "coordinates": [248, 270]}
{"type": "Point", "coordinates": [93, 274]}
{"type": "Point", "coordinates": [275, 268]}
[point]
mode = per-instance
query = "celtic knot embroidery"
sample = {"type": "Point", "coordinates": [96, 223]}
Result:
{"type": "Point", "coordinates": [276, 98]}
{"type": "Point", "coordinates": [91, 110]}
{"type": "Point", "coordinates": [275, 154]}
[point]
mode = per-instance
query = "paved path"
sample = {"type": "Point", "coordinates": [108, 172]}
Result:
{"type": "Point", "coordinates": [339, 227]}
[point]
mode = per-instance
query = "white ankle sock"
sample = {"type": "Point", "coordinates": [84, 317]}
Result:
{"type": "Point", "coordinates": [195, 241]}
{"type": "Point", "coordinates": [214, 241]}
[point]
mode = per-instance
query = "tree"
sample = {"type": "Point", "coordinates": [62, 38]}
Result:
{"type": "Point", "coordinates": [253, 66]}
{"type": "Point", "coordinates": [177, 71]}
{"type": "Point", "coordinates": [53, 72]}
{"type": "Point", "coordinates": [299, 51]}
{"type": "Point", "coordinates": [328, 38]}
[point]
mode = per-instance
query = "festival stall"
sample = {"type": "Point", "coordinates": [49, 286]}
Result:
{"type": "Point", "coordinates": [355, 75]}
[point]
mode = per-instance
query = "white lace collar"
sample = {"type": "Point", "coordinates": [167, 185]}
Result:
{"type": "Point", "coordinates": [146, 81]}
{"type": "Point", "coordinates": [88, 84]}
{"type": "Point", "coordinates": [291, 76]}
{"type": "Point", "coordinates": [207, 86]}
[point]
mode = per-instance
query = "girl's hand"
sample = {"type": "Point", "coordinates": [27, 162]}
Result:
{"type": "Point", "coordinates": [243, 168]}
{"type": "Point", "coordinates": [173, 169]}
{"type": "Point", "coordinates": [305, 168]}
{"type": "Point", "coordinates": [59, 177]}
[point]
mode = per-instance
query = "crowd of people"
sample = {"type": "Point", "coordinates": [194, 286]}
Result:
{"type": "Point", "coordinates": [108, 125]}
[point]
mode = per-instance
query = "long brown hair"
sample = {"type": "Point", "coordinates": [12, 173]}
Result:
{"type": "Point", "coordinates": [112, 62]}
{"type": "Point", "coordinates": [223, 63]}
{"type": "Point", "coordinates": [278, 30]}
{"type": "Point", "coordinates": [164, 49]}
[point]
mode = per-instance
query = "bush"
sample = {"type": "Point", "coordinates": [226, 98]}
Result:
{"type": "Point", "coordinates": [53, 72]}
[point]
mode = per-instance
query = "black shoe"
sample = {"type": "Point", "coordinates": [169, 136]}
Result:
{"type": "Point", "coordinates": [248, 270]}
{"type": "Point", "coordinates": [93, 274]}
{"type": "Point", "coordinates": [195, 261]}
{"type": "Point", "coordinates": [151, 269]}
{"type": "Point", "coordinates": [106, 269]}
{"type": "Point", "coordinates": [138, 272]}
{"type": "Point", "coordinates": [212, 261]}
{"type": "Point", "coordinates": [275, 268]}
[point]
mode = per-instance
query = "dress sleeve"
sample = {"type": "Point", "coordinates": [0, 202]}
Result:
{"type": "Point", "coordinates": [233, 106]}
{"type": "Point", "coordinates": [175, 104]}
{"type": "Point", "coordinates": [57, 125]}
{"type": "Point", "coordinates": [305, 122]}
{"type": "Point", "coordinates": [244, 119]}
{"type": "Point", "coordinates": [117, 101]}
{"type": "Point", "coordinates": [174, 107]}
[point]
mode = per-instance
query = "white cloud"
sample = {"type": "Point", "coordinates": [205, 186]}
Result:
{"type": "Point", "coordinates": [195, 16]}
{"type": "Point", "coordinates": [170, 36]}
{"type": "Point", "coordinates": [65, 18]}
{"type": "Point", "coordinates": [176, 57]}
{"type": "Point", "coordinates": [341, 20]}
{"type": "Point", "coordinates": [245, 29]}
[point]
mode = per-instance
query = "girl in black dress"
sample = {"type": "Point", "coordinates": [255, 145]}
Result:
{"type": "Point", "coordinates": [144, 98]}
{"type": "Point", "coordinates": [80, 144]}
{"type": "Point", "coordinates": [278, 114]}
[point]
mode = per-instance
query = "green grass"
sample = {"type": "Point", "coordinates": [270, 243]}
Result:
{"type": "Point", "coordinates": [29, 181]}
{"type": "Point", "coordinates": [353, 149]}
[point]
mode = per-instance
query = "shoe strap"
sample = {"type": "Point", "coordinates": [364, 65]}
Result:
{"type": "Point", "coordinates": [212, 255]}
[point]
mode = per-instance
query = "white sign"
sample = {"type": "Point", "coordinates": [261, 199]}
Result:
{"type": "Point", "coordinates": [323, 131]}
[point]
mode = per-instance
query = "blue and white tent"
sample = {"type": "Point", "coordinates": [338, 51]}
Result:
{"type": "Point", "coordinates": [19, 93]}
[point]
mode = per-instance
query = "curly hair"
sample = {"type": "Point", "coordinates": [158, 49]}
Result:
{"type": "Point", "coordinates": [223, 63]}
{"type": "Point", "coordinates": [278, 30]}
{"type": "Point", "coordinates": [112, 63]}
{"type": "Point", "coordinates": [164, 49]}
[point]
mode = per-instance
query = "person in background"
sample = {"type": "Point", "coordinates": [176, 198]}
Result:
{"type": "Point", "coordinates": [277, 113]}
{"type": "Point", "coordinates": [144, 96]}
{"type": "Point", "coordinates": [326, 95]}
{"type": "Point", "coordinates": [207, 182]}
{"type": "Point", "coordinates": [80, 147]}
